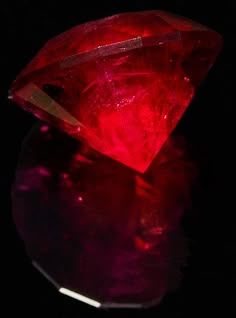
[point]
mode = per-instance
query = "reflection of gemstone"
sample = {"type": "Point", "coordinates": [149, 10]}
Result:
{"type": "Point", "coordinates": [97, 228]}
{"type": "Point", "coordinates": [121, 83]}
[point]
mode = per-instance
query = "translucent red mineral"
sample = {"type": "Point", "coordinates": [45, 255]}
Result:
{"type": "Point", "coordinates": [100, 231]}
{"type": "Point", "coordinates": [121, 83]}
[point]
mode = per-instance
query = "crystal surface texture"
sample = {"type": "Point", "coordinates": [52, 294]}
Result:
{"type": "Point", "coordinates": [121, 83]}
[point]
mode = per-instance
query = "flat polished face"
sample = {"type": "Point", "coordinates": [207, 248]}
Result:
{"type": "Point", "coordinates": [121, 83]}
{"type": "Point", "coordinates": [99, 231]}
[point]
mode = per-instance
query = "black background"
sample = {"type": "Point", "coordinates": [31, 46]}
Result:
{"type": "Point", "coordinates": [208, 123]}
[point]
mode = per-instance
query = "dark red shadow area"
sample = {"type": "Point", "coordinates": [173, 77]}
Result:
{"type": "Point", "coordinates": [97, 227]}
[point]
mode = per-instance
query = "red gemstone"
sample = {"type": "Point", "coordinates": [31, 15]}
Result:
{"type": "Point", "coordinates": [101, 232]}
{"type": "Point", "coordinates": [121, 83]}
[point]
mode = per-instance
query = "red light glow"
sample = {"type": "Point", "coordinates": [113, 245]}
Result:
{"type": "Point", "coordinates": [121, 83]}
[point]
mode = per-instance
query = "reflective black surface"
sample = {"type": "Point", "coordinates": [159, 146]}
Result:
{"type": "Point", "coordinates": [208, 124]}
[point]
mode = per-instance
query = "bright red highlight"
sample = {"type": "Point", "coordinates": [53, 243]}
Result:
{"type": "Point", "coordinates": [80, 199]}
{"type": "Point", "coordinates": [121, 83]}
{"type": "Point", "coordinates": [44, 128]}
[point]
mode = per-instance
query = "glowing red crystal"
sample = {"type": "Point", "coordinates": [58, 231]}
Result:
{"type": "Point", "coordinates": [121, 83]}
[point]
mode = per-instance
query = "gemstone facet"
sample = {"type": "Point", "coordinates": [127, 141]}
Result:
{"type": "Point", "coordinates": [101, 232]}
{"type": "Point", "coordinates": [121, 83]}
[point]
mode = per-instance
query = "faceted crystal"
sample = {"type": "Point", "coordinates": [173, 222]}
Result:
{"type": "Point", "coordinates": [100, 231]}
{"type": "Point", "coordinates": [121, 83]}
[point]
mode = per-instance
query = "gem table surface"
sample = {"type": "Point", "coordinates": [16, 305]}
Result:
{"type": "Point", "coordinates": [98, 229]}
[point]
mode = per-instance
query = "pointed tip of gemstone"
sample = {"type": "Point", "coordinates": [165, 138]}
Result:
{"type": "Point", "coordinates": [125, 81]}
